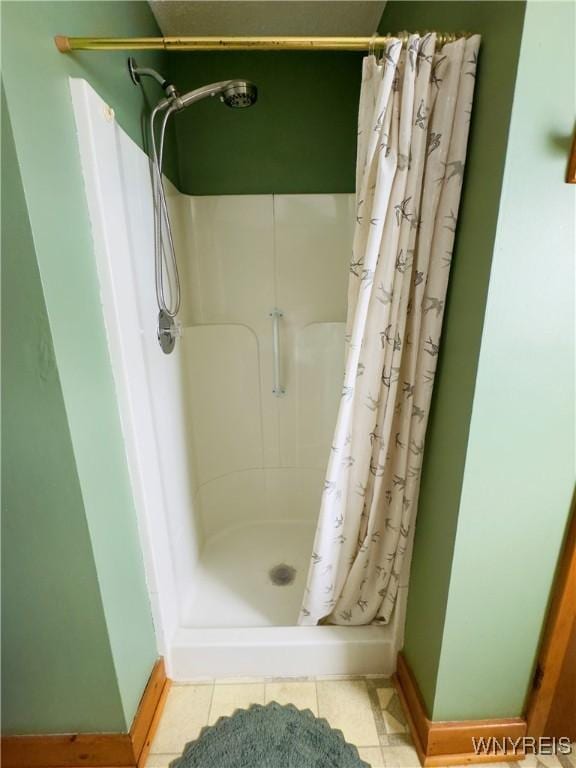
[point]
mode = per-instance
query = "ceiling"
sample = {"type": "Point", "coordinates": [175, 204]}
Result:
{"type": "Point", "coordinates": [268, 17]}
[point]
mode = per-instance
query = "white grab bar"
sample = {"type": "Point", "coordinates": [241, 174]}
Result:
{"type": "Point", "coordinates": [277, 388]}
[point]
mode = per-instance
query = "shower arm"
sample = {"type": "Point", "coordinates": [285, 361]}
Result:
{"type": "Point", "coordinates": [136, 74]}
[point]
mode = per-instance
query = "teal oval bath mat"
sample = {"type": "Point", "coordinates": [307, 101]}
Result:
{"type": "Point", "coordinates": [271, 736]}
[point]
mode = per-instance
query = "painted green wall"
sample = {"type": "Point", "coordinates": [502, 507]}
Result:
{"type": "Point", "coordinates": [36, 83]}
{"type": "Point", "coordinates": [500, 24]}
{"type": "Point", "coordinates": [50, 596]}
{"type": "Point", "coordinates": [519, 473]}
{"type": "Point", "coordinates": [300, 136]}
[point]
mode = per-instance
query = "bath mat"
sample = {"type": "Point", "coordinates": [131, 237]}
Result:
{"type": "Point", "coordinates": [271, 736]}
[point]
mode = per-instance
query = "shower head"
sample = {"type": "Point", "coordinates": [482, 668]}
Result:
{"type": "Point", "coordinates": [239, 94]}
{"type": "Point", "coordinates": [234, 93]}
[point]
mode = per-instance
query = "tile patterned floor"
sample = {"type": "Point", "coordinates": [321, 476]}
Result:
{"type": "Point", "coordinates": [366, 709]}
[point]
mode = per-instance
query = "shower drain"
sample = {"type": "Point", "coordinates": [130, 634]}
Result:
{"type": "Point", "coordinates": [282, 574]}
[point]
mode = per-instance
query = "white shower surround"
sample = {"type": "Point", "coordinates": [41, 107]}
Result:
{"type": "Point", "coordinates": [188, 509]}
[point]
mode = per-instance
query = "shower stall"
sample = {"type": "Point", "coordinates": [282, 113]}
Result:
{"type": "Point", "coordinates": [227, 438]}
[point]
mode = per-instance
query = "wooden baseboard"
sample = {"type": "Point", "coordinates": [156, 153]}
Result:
{"type": "Point", "coordinates": [149, 713]}
{"type": "Point", "coordinates": [451, 742]}
{"type": "Point", "coordinates": [94, 750]}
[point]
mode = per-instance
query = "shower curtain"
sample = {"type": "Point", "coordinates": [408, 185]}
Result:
{"type": "Point", "coordinates": [414, 115]}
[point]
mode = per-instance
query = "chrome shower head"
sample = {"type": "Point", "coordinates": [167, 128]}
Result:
{"type": "Point", "coordinates": [233, 93]}
{"type": "Point", "coordinates": [239, 94]}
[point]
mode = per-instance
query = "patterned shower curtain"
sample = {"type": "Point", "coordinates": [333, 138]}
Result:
{"type": "Point", "coordinates": [414, 116]}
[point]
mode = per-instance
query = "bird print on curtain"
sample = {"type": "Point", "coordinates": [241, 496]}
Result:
{"type": "Point", "coordinates": [414, 115]}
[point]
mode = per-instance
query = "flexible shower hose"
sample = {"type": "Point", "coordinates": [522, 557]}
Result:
{"type": "Point", "coordinates": [165, 264]}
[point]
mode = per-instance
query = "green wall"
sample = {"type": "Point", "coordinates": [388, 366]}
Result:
{"type": "Point", "coordinates": [50, 596]}
{"type": "Point", "coordinates": [519, 473]}
{"type": "Point", "coordinates": [500, 24]}
{"type": "Point", "coordinates": [300, 136]}
{"type": "Point", "coordinates": [88, 450]}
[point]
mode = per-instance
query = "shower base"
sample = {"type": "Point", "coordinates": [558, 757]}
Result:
{"type": "Point", "coordinates": [239, 623]}
{"type": "Point", "coordinates": [236, 579]}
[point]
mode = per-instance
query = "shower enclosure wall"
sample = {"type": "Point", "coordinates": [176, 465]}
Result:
{"type": "Point", "coordinates": [227, 439]}
{"type": "Point", "coordinates": [259, 307]}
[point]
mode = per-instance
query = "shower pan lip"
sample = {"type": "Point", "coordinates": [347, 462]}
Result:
{"type": "Point", "coordinates": [233, 587]}
{"type": "Point", "coordinates": [198, 654]}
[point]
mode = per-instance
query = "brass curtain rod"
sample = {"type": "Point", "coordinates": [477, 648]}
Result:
{"type": "Point", "coordinates": [68, 44]}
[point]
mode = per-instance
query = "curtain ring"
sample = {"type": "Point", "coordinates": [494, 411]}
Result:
{"type": "Point", "coordinates": [372, 45]}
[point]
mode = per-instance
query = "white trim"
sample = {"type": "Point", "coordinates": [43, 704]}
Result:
{"type": "Point", "coordinates": [97, 139]}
